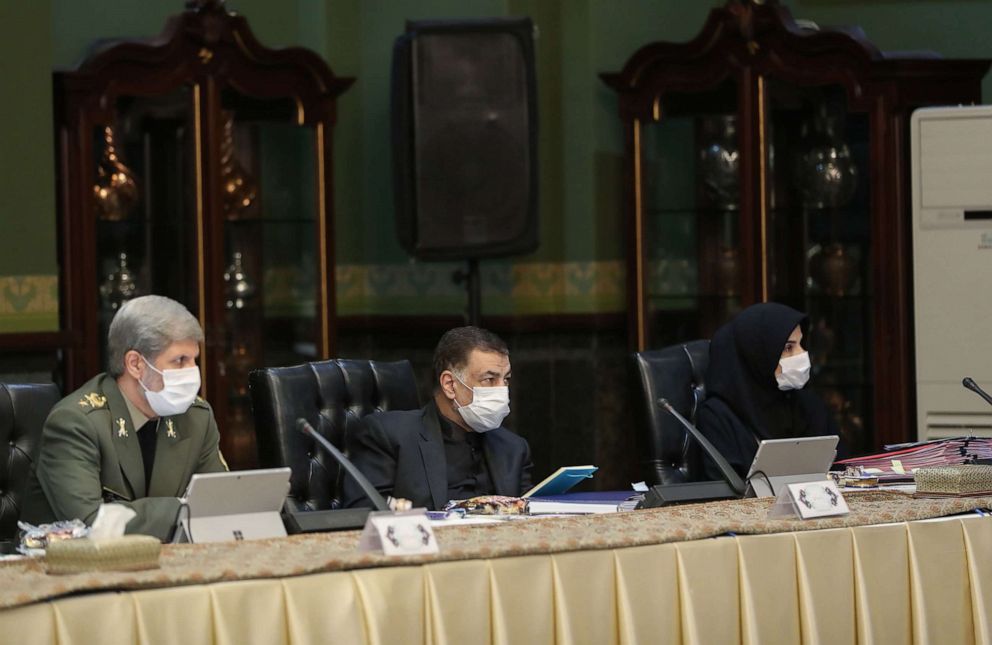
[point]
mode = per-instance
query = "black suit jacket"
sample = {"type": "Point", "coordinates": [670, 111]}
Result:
{"type": "Point", "coordinates": [402, 454]}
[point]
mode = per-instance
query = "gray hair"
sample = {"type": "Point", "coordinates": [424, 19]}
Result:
{"type": "Point", "coordinates": [148, 325]}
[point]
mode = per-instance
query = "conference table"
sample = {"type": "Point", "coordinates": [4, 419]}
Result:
{"type": "Point", "coordinates": [709, 573]}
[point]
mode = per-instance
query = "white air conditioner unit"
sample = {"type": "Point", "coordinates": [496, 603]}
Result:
{"type": "Point", "coordinates": [952, 267]}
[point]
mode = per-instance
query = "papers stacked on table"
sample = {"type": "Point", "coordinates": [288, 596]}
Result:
{"type": "Point", "coordinates": [902, 460]}
{"type": "Point", "coordinates": [584, 503]}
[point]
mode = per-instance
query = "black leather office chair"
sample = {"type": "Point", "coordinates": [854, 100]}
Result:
{"type": "Point", "coordinates": [23, 409]}
{"type": "Point", "coordinates": [332, 395]}
{"type": "Point", "coordinates": [676, 373]}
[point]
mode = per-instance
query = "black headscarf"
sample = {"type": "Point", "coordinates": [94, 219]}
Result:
{"type": "Point", "coordinates": [743, 356]}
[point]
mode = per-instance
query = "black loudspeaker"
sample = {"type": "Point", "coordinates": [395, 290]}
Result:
{"type": "Point", "coordinates": [464, 126]}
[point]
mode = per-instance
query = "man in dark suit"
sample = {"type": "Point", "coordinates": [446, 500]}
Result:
{"type": "Point", "coordinates": [134, 435]}
{"type": "Point", "coordinates": [454, 447]}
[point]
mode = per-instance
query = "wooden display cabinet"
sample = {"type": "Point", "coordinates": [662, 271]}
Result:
{"type": "Point", "coordinates": [197, 165]}
{"type": "Point", "coordinates": [769, 161]}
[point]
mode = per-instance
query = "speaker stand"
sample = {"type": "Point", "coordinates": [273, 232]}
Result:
{"type": "Point", "coordinates": [474, 288]}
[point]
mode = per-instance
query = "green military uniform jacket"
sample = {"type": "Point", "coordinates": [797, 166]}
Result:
{"type": "Point", "coordinates": [90, 454]}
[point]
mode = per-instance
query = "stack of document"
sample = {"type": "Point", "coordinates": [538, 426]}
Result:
{"type": "Point", "coordinates": [609, 501]}
{"type": "Point", "coordinates": [551, 496]}
{"type": "Point", "coordinates": [899, 463]}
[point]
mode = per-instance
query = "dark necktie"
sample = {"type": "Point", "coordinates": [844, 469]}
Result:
{"type": "Point", "coordinates": [147, 435]}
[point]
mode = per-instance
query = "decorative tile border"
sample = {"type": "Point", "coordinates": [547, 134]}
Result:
{"type": "Point", "coordinates": [29, 303]}
{"type": "Point", "coordinates": [507, 288]}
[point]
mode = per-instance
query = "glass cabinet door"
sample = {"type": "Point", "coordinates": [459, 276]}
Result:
{"type": "Point", "coordinates": [819, 244]}
{"type": "Point", "coordinates": [690, 177]}
{"type": "Point", "coordinates": [150, 239]}
{"type": "Point", "coordinates": [268, 176]}
{"type": "Point", "coordinates": [810, 229]}
{"type": "Point", "coordinates": [144, 205]}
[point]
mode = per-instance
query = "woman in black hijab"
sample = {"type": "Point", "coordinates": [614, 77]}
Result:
{"type": "Point", "coordinates": [755, 386]}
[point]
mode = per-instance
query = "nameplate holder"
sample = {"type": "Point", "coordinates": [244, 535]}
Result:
{"type": "Point", "coordinates": [402, 533]}
{"type": "Point", "coordinates": [808, 500]}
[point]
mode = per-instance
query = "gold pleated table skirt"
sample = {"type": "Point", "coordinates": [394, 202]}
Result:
{"type": "Point", "coordinates": [916, 582]}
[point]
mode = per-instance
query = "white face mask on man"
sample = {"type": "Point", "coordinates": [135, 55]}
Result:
{"type": "Point", "coordinates": [488, 408]}
{"type": "Point", "coordinates": [795, 372]}
{"type": "Point", "coordinates": [179, 388]}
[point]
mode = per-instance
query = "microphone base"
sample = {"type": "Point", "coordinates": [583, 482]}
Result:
{"type": "Point", "coordinates": [687, 493]}
{"type": "Point", "coordinates": [344, 519]}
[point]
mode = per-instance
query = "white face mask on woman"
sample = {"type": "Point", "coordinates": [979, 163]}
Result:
{"type": "Point", "coordinates": [795, 372]}
{"type": "Point", "coordinates": [488, 408]}
{"type": "Point", "coordinates": [179, 388]}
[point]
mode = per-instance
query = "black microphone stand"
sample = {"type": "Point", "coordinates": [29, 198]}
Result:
{"type": "Point", "coordinates": [337, 519]}
{"type": "Point", "coordinates": [377, 501]}
{"type": "Point", "coordinates": [665, 494]}
{"type": "Point", "coordinates": [729, 475]}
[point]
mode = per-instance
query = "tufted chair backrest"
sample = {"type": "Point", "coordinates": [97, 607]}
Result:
{"type": "Point", "coordinates": [333, 396]}
{"type": "Point", "coordinates": [676, 373]}
{"type": "Point", "coordinates": [23, 409]}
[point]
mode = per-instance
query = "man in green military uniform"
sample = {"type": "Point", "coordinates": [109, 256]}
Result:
{"type": "Point", "coordinates": [134, 435]}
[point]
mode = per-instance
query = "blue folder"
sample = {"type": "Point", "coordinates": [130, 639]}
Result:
{"type": "Point", "coordinates": [561, 480]}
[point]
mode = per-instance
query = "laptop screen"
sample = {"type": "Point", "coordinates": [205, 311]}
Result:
{"type": "Point", "coordinates": [794, 456]}
{"type": "Point", "coordinates": [237, 492]}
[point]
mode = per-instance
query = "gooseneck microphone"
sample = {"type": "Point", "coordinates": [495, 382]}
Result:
{"type": "Point", "coordinates": [377, 501]}
{"type": "Point", "coordinates": [969, 383]}
{"type": "Point", "coordinates": [729, 474]}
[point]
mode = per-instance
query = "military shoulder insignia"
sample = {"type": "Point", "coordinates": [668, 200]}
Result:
{"type": "Point", "coordinates": [93, 400]}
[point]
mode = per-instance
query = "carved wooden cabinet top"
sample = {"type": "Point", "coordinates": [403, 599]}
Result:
{"type": "Point", "coordinates": [765, 39]}
{"type": "Point", "coordinates": [205, 41]}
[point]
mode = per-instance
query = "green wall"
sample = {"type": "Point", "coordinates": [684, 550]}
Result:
{"type": "Point", "coordinates": [27, 203]}
{"type": "Point", "coordinates": [28, 289]}
{"type": "Point", "coordinates": [578, 267]}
